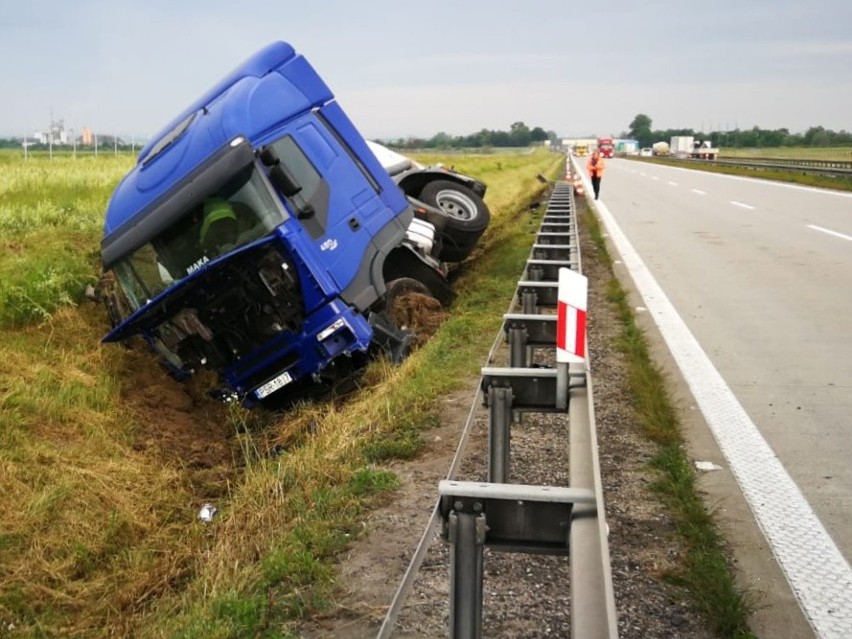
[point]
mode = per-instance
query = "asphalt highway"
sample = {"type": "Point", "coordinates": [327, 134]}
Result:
{"type": "Point", "coordinates": [750, 283]}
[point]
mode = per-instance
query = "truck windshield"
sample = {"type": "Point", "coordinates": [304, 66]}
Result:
{"type": "Point", "coordinates": [244, 210]}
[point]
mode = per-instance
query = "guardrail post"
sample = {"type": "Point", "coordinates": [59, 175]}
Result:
{"type": "Point", "coordinates": [466, 537]}
{"type": "Point", "coordinates": [517, 346]}
{"type": "Point", "coordinates": [529, 302]}
{"type": "Point", "coordinates": [500, 400]}
{"type": "Point", "coordinates": [562, 386]}
{"type": "Point", "coordinates": [536, 274]}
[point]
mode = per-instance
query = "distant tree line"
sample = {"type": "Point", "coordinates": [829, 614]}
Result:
{"type": "Point", "coordinates": [518, 135]}
{"type": "Point", "coordinates": [640, 129]}
{"type": "Point", "coordinates": [521, 135]}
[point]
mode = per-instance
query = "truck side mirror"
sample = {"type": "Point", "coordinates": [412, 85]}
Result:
{"type": "Point", "coordinates": [278, 173]}
{"type": "Point", "coordinates": [268, 156]}
{"type": "Point", "coordinates": [285, 182]}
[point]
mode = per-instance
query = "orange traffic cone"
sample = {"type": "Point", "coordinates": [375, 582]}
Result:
{"type": "Point", "coordinates": [578, 186]}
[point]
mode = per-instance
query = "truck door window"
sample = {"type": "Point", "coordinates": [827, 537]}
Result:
{"type": "Point", "coordinates": [314, 189]}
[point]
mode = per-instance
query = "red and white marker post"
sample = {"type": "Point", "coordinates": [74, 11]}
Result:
{"type": "Point", "coordinates": [571, 316]}
{"type": "Point", "coordinates": [570, 328]}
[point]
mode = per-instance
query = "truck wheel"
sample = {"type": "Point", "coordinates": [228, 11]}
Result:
{"type": "Point", "coordinates": [396, 306]}
{"type": "Point", "coordinates": [467, 217]}
{"type": "Point", "coordinates": [412, 307]}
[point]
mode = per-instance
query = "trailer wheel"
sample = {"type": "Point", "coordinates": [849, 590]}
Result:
{"type": "Point", "coordinates": [467, 217]}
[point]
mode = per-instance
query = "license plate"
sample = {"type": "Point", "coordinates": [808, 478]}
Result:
{"type": "Point", "coordinates": [273, 385]}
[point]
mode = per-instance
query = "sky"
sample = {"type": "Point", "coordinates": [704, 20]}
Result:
{"type": "Point", "coordinates": [413, 69]}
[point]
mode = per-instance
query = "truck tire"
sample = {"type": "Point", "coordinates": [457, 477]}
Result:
{"type": "Point", "coordinates": [414, 310]}
{"type": "Point", "coordinates": [467, 217]}
{"type": "Point", "coordinates": [397, 289]}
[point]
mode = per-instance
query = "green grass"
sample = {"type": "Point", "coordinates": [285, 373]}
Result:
{"type": "Point", "coordinates": [98, 527]}
{"type": "Point", "coordinates": [705, 574]}
{"type": "Point", "coordinates": [840, 153]}
{"type": "Point", "coordinates": [51, 219]}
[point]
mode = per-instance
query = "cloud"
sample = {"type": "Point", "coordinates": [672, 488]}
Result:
{"type": "Point", "coordinates": [814, 49]}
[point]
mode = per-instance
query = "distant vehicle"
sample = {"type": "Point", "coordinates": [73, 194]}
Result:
{"type": "Point", "coordinates": [646, 152]}
{"type": "Point", "coordinates": [626, 147]}
{"type": "Point", "coordinates": [580, 150]}
{"type": "Point", "coordinates": [703, 150]}
{"type": "Point", "coordinates": [660, 148]}
{"type": "Point", "coordinates": [607, 147]}
{"type": "Point", "coordinates": [681, 146]}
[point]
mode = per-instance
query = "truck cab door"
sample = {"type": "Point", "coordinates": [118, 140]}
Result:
{"type": "Point", "coordinates": [339, 204]}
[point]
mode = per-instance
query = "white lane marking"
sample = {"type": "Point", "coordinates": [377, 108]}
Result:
{"type": "Point", "coordinates": [772, 183]}
{"type": "Point", "coordinates": [699, 191]}
{"type": "Point", "coordinates": [671, 183]}
{"type": "Point", "coordinates": [743, 206]}
{"type": "Point", "coordinates": [817, 572]}
{"type": "Point", "coordinates": [829, 231]}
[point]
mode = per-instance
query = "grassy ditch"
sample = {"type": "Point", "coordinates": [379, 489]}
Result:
{"type": "Point", "coordinates": [270, 555]}
{"type": "Point", "coordinates": [105, 461]}
{"type": "Point", "coordinates": [827, 153]}
{"type": "Point", "coordinates": [705, 573]}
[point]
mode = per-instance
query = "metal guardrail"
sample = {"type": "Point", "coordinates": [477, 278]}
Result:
{"type": "Point", "coordinates": [823, 167]}
{"type": "Point", "coordinates": [517, 517]}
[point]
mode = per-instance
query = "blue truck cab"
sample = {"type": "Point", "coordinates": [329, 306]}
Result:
{"type": "Point", "coordinates": [256, 233]}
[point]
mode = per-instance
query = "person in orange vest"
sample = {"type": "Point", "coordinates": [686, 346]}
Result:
{"type": "Point", "coordinates": [595, 166]}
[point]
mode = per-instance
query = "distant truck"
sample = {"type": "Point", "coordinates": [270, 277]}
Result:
{"type": "Point", "coordinates": [660, 149]}
{"type": "Point", "coordinates": [680, 146]}
{"type": "Point", "coordinates": [581, 149]}
{"type": "Point", "coordinates": [686, 146]}
{"type": "Point", "coordinates": [261, 237]}
{"type": "Point", "coordinates": [607, 147]}
{"type": "Point", "coordinates": [704, 150]}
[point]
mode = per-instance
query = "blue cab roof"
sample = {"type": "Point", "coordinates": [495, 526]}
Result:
{"type": "Point", "coordinates": [274, 85]}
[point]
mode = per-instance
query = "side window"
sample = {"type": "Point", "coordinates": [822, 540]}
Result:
{"type": "Point", "coordinates": [314, 190]}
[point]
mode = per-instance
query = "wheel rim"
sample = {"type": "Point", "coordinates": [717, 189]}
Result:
{"type": "Point", "coordinates": [457, 205]}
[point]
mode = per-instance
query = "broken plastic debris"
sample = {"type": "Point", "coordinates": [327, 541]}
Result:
{"type": "Point", "coordinates": [706, 465]}
{"type": "Point", "coordinates": [207, 513]}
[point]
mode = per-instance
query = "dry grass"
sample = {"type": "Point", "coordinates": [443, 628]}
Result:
{"type": "Point", "coordinates": [105, 460]}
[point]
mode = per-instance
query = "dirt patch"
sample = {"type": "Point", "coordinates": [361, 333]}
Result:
{"type": "Point", "coordinates": [179, 424]}
{"type": "Point", "coordinates": [419, 313]}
